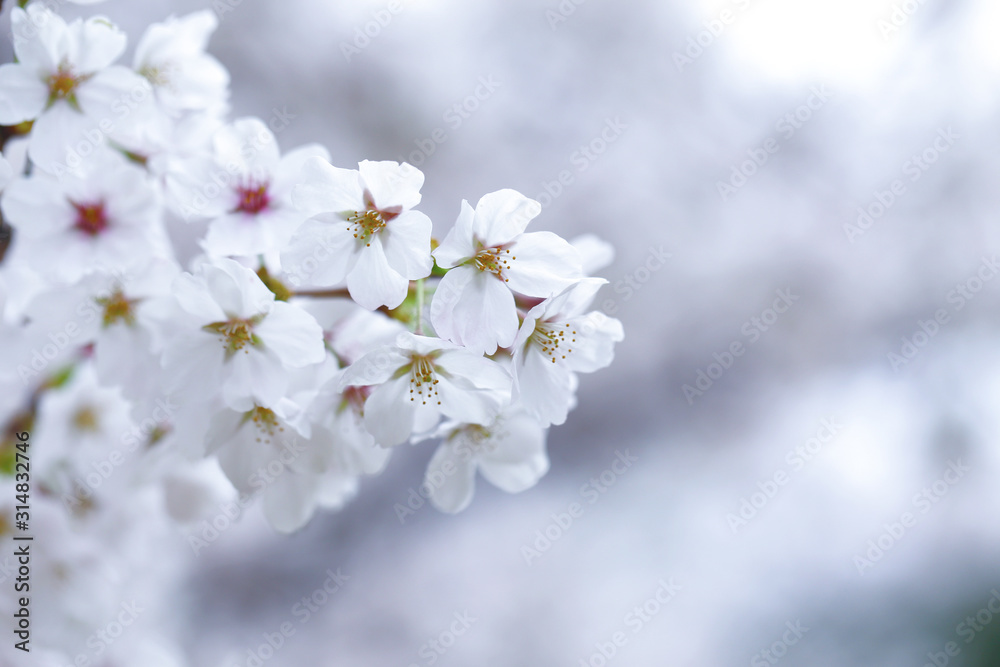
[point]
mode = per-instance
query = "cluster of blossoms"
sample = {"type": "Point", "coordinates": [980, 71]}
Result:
{"type": "Point", "coordinates": [317, 325]}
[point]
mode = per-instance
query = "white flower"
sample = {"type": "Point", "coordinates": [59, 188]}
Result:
{"type": "Point", "coordinates": [171, 56]}
{"type": "Point", "coordinates": [245, 189]}
{"type": "Point", "coordinates": [106, 217]}
{"type": "Point", "coordinates": [229, 335]}
{"type": "Point", "coordinates": [489, 257]}
{"type": "Point", "coordinates": [509, 453]}
{"type": "Point", "coordinates": [556, 340]}
{"type": "Point", "coordinates": [419, 379]}
{"type": "Point", "coordinates": [363, 222]}
{"type": "Point", "coordinates": [64, 80]}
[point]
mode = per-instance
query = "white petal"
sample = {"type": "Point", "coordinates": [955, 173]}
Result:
{"type": "Point", "coordinates": [543, 388]}
{"type": "Point", "coordinates": [98, 43]}
{"type": "Point", "coordinates": [114, 94]}
{"type": "Point", "coordinates": [41, 37]}
{"type": "Point", "coordinates": [464, 402]}
{"type": "Point", "coordinates": [519, 459]}
{"type": "Point", "coordinates": [290, 501]}
{"type": "Point", "coordinates": [406, 241]}
{"type": "Point", "coordinates": [502, 215]}
{"type": "Point", "coordinates": [451, 479]}
{"type": "Point", "coordinates": [293, 334]}
{"type": "Point", "coordinates": [445, 299]}
{"type": "Point", "coordinates": [544, 264]}
{"type": "Point", "coordinates": [595, 252]}
{"type": "Point", "coordinates": [475, 369]}
{"type": "Point", "coordinates": [389, 412]}
{"type": "Point", "coordinates": [392, 184]}
{"type": "Point", "coordinates": [193, 296]}
{"type": "Point", "coordinates": [37, 208]}
{"type": "Point", "coordinates": [596, 335]}
{"type": "Point", "coordinates": [290, 170]}
{"type": "Point", "coordinates": [374, 368]}
{"type": "Point", "coordinates": [249, 144]}
{"type": "Point", "coordinates": [485, 314]}
{"type": "Point", "coordinates": [254, 376]}
{"type": "Point", "coordinates": [22, 94]}
{"type": "Point", "coordinates": [324, 188]}
{"type": "Point", "coordinates": [372, 282]}
{"type": "Point", "coordinates": [320, 254]}
{"type": "Point", "coordinates": [459, 245]}
{"type": "Point", "coordinates": [237, 289]}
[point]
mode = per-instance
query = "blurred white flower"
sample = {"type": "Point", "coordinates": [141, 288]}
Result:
{"type": "Point", "coordinates": [363, 220]}
{"type": "Point", "coordinates": [245, 189]}
{"type": "Point", "coordinates": [509, 453]}
{"type": "Point", "coordinates": [106, 217]}
{"type": "Point", "coordinates": [490, 257]}
{"type": "Point", "coordinates": [171, 56]}
{"type": "Point", "coordinates": [65, 82]}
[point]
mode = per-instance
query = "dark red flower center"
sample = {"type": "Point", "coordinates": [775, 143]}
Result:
{"type": "Point", "coordinates": [91, 219]}
{"type": "Point", "coordinates": [253, 199]}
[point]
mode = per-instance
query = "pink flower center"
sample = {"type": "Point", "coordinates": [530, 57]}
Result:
{"type": "Point", "coordinates": [91, 219]}
{"type": "Point", "coordinates": [253, 199]}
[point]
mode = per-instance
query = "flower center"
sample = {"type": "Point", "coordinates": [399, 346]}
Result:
{"type": "Point", "coordinates": [552, 339]}
{"type": "Point", "coordinates": [422, 380]}
{"type": "Point", "coordinates": [266, 423]}
{"type": "Point", "coordinates": [236, 334]}
{"type": "Point", "coordinates": [91, 219]}
{"type": "Point", "coordinates": [117, 308]}
{"type": "Point", "coordinates": [155, 75]}
{"type": "Point", "coordinates": [364, 225]}
{"type": "Point", "coordinates": [253, 198]}
{"type": "Point", "coordinates": [493, 260]}
{"type": "Point", "coordinates": [86, 420]}
{"type": "Point", "coordinates": [62, 85]}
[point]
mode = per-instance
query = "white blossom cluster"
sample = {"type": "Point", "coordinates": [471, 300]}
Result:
{"type": "Point", "coordinates": [319, 326]}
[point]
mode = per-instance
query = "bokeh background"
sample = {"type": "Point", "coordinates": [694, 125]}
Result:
{"type": "Point", "coordinates": [683, 92]}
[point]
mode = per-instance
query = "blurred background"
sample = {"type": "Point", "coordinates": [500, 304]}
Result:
{"type": "Point", "coordinates": [802, 198]}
